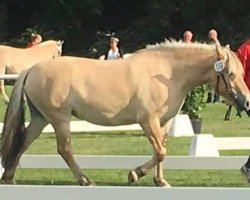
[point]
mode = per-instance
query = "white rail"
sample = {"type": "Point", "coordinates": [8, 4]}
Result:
{"type": "Point", "coordinates": [9, 76]}
{"type": "Point", "coordinates": [27, 192]}
{"type": "Point", "coordinates": [129, 162]}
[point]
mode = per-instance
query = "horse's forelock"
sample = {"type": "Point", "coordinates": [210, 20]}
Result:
{"type": "Point", "coordinates": [236, 66]}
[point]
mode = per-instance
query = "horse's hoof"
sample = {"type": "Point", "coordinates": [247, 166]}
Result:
{"type": "Point", "coordinates": [9, 182]}
{"type": "Point", "coordinates": [161, 183]}
{"type": "Point", "coordinates": [132, 177]}
{"type": "Point", "coordinates": [246, 172]}
{"type": "Point", "coordinates": [91, 184]}
{"type": "Point", "coordinates": [86, 182]}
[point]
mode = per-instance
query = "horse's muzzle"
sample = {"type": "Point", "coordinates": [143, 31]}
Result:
{"type": "Point", "coordinates": [248, 113]}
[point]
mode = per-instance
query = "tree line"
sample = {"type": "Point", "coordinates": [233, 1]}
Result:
{"type": "Point", "coordinates": [84, 23]}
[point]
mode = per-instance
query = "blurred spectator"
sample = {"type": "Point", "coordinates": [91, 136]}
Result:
{"type": "Point", "coordinates": [187, 37]}
{"type": "Point", "coordinates": [114, 51]}
{"type": "Point", "coordinates": [34, 40]}
{"type": "Point", "coordinates": [212, 95]}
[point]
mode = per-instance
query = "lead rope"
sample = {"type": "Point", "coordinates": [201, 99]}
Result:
{"type": "Point", "coordinates": [232, 94]}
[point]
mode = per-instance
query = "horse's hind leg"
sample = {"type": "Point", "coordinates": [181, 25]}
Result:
{"type": "Point", "coordinates": [65, 150]}
{"type": "Point", "coordinates": [156, 138]}
{"type": "Point", "coordinates": [31, 133]}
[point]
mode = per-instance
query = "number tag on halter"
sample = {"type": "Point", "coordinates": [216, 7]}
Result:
{"type": "Point", "coordinates": [219, 66]}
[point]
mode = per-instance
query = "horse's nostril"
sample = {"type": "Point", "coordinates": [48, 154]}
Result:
{"type": "Point", "coordinates": [247, 105]}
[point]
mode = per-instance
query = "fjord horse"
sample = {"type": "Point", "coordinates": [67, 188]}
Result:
{"type": "Point", "coordinates": [14, 60]}
{"type": "Point", "coordinates": [147, 88]}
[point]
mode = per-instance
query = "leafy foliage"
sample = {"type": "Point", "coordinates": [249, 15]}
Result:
{"type": "Point", "coordinates": [195, 102]}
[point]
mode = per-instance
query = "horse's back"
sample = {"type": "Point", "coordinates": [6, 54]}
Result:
{"type": "Point", "coordinates": [17, 59]}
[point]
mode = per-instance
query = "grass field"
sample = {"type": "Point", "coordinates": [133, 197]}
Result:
{"type": "Point", "coordinates": [135, 143]}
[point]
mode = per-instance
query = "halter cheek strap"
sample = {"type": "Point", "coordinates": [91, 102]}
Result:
{"type": "Point", "coordinates": [219, 66]}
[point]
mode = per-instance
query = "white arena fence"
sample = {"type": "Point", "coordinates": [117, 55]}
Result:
{"type": "Point", "coordinates": [129, 162]}
{"type": "Point", "coordinates": [9, 76]}
{"type": "Point", "coordinates": [24, 192]}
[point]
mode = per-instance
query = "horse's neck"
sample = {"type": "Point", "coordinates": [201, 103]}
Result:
{"type": "Point", "coordinates": [193, 70]}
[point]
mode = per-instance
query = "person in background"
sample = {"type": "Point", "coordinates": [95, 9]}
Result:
{"type": "Point", "coordinates": [243, 53]}
{"type": "Point", "coordinates": [212, 95]}
{"type": "Point", "coordinates": [114, 51]}
{"type": "Point", "coordinates": [187, 37]}
{"type": "Point", "coordinates": [213, 36]}
{"type": "Point", "coordinates": [34, 40]}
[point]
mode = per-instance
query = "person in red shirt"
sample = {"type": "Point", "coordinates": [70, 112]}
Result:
{"type": "Point", "coordinates": [243, 54]}
{"type": "Point", "coordinates": [34, 40]}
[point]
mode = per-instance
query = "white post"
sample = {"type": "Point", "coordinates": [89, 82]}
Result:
{"type": "Point", "coordinates": [181, 126]}
{"type": "Point", "coordinates": [204, 145]}
{"type": "Point", "coordinates": [1, 168]}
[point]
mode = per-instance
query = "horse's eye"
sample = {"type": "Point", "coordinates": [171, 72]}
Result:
{"type": "Point", "coordinates": [231, 74]}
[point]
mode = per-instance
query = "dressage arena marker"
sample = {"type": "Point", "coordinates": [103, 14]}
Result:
{"type": "Point", "coordinates": [208, 145]}
{"type": "Point", "coordinates": [28, 192]}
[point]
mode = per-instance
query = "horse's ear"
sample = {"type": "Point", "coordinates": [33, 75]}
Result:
{"type": "Point", "coordinates": [60, 42]}
{"type": "Point", "coordinates": [228, 46]}
{"type": "Point", "coordinates": [221, 53]}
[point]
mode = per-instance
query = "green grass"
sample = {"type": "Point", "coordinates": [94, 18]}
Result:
{"type": "Point", "coordinates": [135, 143]}
{"type": "Point", "coordinates": [182, 178]}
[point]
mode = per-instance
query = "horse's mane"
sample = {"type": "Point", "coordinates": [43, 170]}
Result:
{"type": "Point", "coordinates": [46, 42]}
{"type": "Point", "coordinates": [180, 44]}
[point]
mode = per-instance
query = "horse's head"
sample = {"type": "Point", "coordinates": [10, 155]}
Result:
{"type": "Point", "coordinates": [59, 44]}
{"type": "Point", "coordinates": [230, 82]}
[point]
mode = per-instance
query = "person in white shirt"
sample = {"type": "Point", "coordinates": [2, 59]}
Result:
{"type": "Point", "coordinates": [114, 51]}
{"type": "Point", "coordinates": [213, 38]}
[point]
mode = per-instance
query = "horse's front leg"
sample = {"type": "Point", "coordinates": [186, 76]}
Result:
{"type": "Point", "coordinates": [154, 134]}
{"type": "Point", "coordinates": [159, 179]}
{"type": "Point", "coordinates": [2, 92]}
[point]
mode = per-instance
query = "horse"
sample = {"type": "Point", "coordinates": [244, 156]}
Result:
{"type": "Point", "coordinates": [147, 88]}
{"type": "Point", "coordinates": [14, 60]}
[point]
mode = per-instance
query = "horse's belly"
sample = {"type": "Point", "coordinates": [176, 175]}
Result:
{"type": "Point", "coordinates": [104, 118]}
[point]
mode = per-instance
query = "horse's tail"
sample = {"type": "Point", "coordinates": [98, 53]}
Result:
{"type": "Point", "coordinates": [14, 122]}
